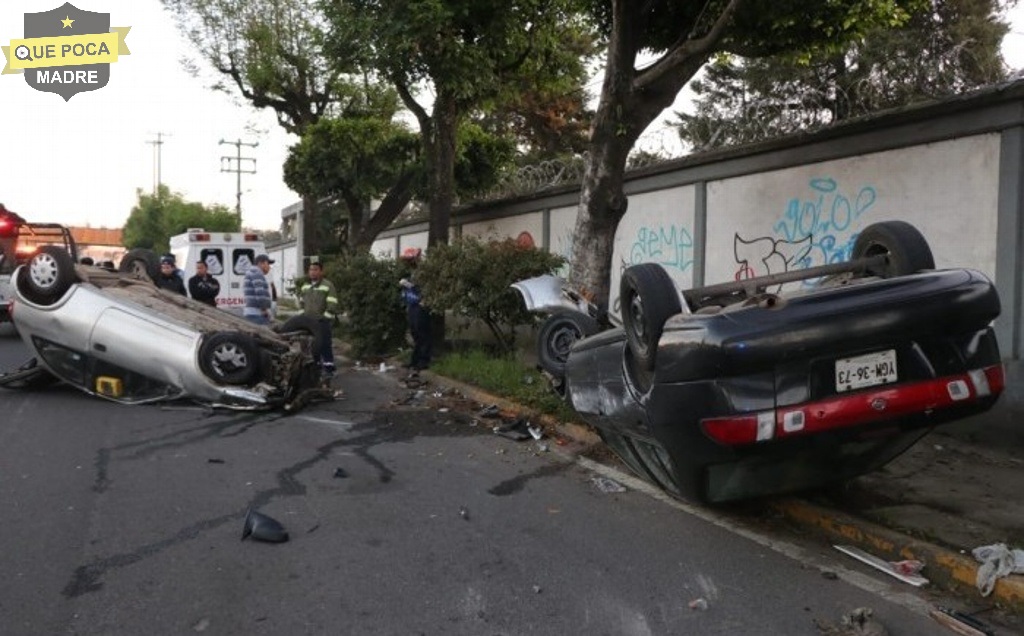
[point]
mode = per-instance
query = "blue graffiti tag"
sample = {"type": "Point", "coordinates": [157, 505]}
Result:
{"type": "Point", "coordinates": [826, 217]}
{"type": "Point", "coordinates": [670, 246]}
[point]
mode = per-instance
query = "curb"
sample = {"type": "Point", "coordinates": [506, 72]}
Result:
{"type": "Point", "coordinates": [944, 568]}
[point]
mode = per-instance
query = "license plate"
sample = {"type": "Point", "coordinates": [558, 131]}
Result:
{"type": "Point", "coordinates": [868, 370]}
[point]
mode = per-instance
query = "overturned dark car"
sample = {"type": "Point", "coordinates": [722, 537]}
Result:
{"type": "Point", "coordinates": [117, 336]}
{"type": "Point", "coordinates": [741, 390]}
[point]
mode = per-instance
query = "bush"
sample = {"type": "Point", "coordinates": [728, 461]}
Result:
{"type": "Point", "coordinates": [472, 279]}
{"type": "Point", "coordinates": [368, 295]}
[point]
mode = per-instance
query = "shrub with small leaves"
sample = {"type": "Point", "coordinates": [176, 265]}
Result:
{"type": "Point", "coordinates": [472, 278]}
{"type": "Point", "coordinates": [368, 295]}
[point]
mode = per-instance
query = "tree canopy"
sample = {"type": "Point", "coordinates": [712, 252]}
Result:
{"type": "Point", "coordinates": [462, 56]}
{"type": "Point", "coordinates": [156, 218]}
{"type": "Point", "coordinates": [684, 35]}
{"type": "Point", "coordinates": [946, 47]}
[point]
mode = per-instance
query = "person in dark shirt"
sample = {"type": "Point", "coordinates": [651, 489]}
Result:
{"type": "Point", "coordinates": [203, 286]}
{"type": "Point", "coordinates": [416, 311]}
{"type": "Point", "coordinates": [169, 277]}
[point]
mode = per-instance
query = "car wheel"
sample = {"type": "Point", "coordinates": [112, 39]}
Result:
{"type": "Point", "coordinates": [47, 276]}
{"type": "Point", "coordinates": [7, 330]}
{"type": "Point", "coordinates": [229, 358]}
{"type": "Point", "coordinates": [140, 264]}
{"type": "Point", "coordinates": [558, 333]}
{"type": "Point", "coordinates": [648, 298]}
{"type": "Point", "coordinates": [904, 246]}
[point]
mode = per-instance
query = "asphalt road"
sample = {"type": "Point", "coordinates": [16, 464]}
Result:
{"type": "Point", "coordinates": [127, 520]}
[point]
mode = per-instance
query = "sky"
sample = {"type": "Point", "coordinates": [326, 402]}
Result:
{"type": "Point", "coordinates": [82, 162]}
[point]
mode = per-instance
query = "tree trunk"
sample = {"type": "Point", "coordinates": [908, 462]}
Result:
{"type": "Point", "coordinates": [630, 101]}
{"type": "Point", "coordinates": [311, 234]}
{"type": "Point", "coordinates": [442, 176]}
{"type": "Point", "coordinates": [397, 198]}
{"type": "Point", "coordinates": [602, 206]}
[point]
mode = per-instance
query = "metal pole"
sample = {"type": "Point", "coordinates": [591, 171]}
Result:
{"type": "Point", "coordinates": [157, 160]}
{"type": "Point", "coordinates": [236, 167]}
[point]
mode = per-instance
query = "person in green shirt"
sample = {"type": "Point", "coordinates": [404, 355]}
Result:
{"type": "Point", "coordinates": [319, 300]}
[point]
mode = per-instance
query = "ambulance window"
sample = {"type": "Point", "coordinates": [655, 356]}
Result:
{"type": "Point", "coordinates": [243, 259]}
{"type": "Point", "coordinates": [214, 259]}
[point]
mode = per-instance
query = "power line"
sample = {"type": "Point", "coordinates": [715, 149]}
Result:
{"type": "Point", "coordinates": [226, 165]}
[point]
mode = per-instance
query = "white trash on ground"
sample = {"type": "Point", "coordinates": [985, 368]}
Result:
{"type": "Point", "coordinates": [997, 561]}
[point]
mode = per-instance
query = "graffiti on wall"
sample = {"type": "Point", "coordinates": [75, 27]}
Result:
{"type": "Point", "coordinates": [671, 246]}
{"type": "Point", "coordinates": [814, 230]}
{"type": "Point", "coordinates": [767, 255]}
{"type": "Point", "coordinates": [826, 216]}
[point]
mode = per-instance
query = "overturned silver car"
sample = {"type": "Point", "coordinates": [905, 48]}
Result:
{"type": "Point", "coordinates": [115, 335]}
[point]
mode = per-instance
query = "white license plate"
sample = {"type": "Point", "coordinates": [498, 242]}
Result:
{"type": "Point", "coordinates": [868, 370]}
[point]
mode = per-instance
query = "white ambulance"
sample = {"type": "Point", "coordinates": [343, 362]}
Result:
{"type": "Point", "coordinates": [228, 256]}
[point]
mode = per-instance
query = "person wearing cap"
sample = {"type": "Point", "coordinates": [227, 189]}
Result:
{"type": "Point", "coordinates": [319, 300]}
{"type": "Point", "coordinates": [417, 314]}
{"type": "Point", "coordinates": [170, 277]}
{"type": "Point", "coordinates": [256, 291]}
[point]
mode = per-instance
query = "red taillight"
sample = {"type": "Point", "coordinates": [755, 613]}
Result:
{"type": "Point", "coordinates": [864, 407]}
{"type": "Point", "coordinates": [741, 429]}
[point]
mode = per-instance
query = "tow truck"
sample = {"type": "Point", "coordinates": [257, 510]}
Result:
{"type": "Point", "coordinates": [19, 240]}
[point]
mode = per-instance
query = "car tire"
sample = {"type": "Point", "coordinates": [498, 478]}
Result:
{"type": "Point", "coordinates": [141, 264]}
{"type": "Point", "coordinates": [303, 324]}
{"type": "Point", "coordinates": [47, 276]}
{"type": "Point", "coordinates": [906, 248]}
{"type": "Point", "coordinates": [648, 298]}
{"type": "Point", "coordinates": [229, 358]}
{"type": "Point", "coordinates": [8, 330]}
{"type": "Point", "coordinates": [557, 334]}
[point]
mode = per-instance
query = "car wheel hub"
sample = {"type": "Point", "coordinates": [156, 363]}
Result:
{"type": "Point", "coordinates": [563, 340]}
{"type": "Point", "coordinates": [43, 271]}
{"type": "Point", "coordinates": [636, 308]}
{"type": "Point", "coordinates": [227, 358]}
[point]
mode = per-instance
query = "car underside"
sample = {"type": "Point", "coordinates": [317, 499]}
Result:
{"type": "Point", "coordinates": [113, 335]}
{"type": "Point", "coordinates": [731, 391]}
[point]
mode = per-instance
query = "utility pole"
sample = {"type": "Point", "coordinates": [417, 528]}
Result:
{"type": "Point", "coordinates": [157, 152]}
{"type": "Point", "coordinates": [234, 164]}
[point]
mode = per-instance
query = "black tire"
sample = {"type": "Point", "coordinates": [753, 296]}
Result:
{"type": "Point", "coordinates": [904, 246]}
{"type": "Point", "coordinates": [47, 276]}
{"type": "Point", "coordinates": [557, 334]}
{"type": "Point", "coordinates": [229, 358]}
{"type": "Point", "coordinates": [648, 298]}
{"type": "Point", "coordinates": [141, 264]}
{"type": "Point", "coordinates": [303, 324]}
